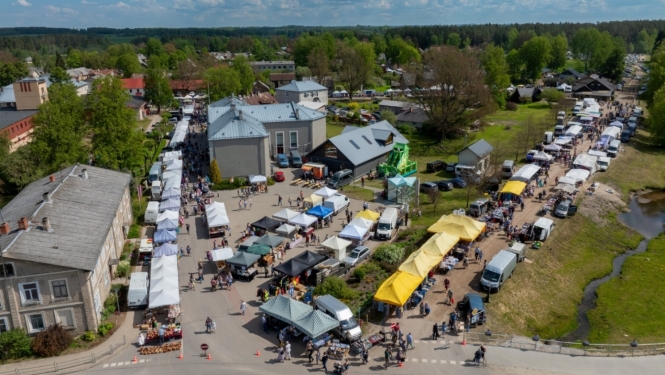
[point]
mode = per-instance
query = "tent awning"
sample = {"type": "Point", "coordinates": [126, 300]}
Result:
{"type": "Point", "coordinates": [285, 309]}
{"type": "Point", "coordinates": [285, 214]}
{"type": "Point", "coordinates": [314, 200]}
{"type": "Point", "coordinates": [285, 229]}
{"type": "Point", "coordinates": [266, 223]}
{"type": "Point", "coordinates": [325, 192]}
{"type": "Point", "coordinates": [303, 220]}
{"type": "Point", "coordinates": [309, 258]}
{"type": "Point", "coordinates": [171, 192]}
{"type": "Point", "coordinates": [270, 240]}
{"type": "Point", "coordinates": [164, 288]}
{"type": "Point", "coordinates": [363, 223]}
{"type": "Point", "coordinates": [369, 215]}
{"type": "Point", "coordinates": [256, 179]}
{"type": "Point", "coordinates": [171, 204]}
{"type": "Point", "coordinates": [259, 249]}
{"type": "Point", "coordinates": [315, 324]}
{"type": "Point", "coordinates": [419, 263]}
{"type": "Point", "coordinates": [222, 254]}
{"type": "Point", "coordinates": [165, 250]}
{"type": "Point", "coordinates": [216, 215]}
{"type": "Point", "coordinates": [336, 243]}
{"type": "Point", "coordinates": [291, 268]}
{"type": "Point", "coordinates": [440, 244]}
{"type": "Point", "coordinates": [353, 232]}
{"type": "Point", "coordinates": [243, 258]}
{"type": "Point", "coordinates": [164, 235]}
{"type": "Point", "coordinates": [514, 187]}
{"type": "Point", "coordinates": [397, 289]}
{"type": "Point", "coordinates": [167, 224]}
{"type": "Point", "coordinates": [320, 212]}
{"type": "Point", "coordinates": [464, 233]}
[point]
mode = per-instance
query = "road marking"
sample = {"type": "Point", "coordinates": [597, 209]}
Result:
{"type": "Point", "coordinates": [127, 363]}
{"type": "Point", "coordinates": [442, 342]}
{"type": "Point", "coordinates": [106, 365]}
{"type": "Point", "coordinates": [443, 361]}
{"type": "Point", "coordinates": [120, 363]}
{"type": "Point", "coordinates": [141, 360]}
{"type": "Point", "coordinates": [415, 360]}
{"type": "Point", "coordinates": [433, 361]}
{"type": "Point", "coordinates": [424, 360]}
{"type": "Point", "coordinates": [452, 362]}
{"type": "Point", "coordinates": [415, 341]}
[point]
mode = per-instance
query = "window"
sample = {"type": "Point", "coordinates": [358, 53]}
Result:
{"type": "Point", "coordinates": [279, 137]}
{"type": "Point", "coordinates": [59, 289]}
{"type": "Point", "coordinates": [35, 322]}
{"type": "Point", "coordinates": [330, 151]}
{"type": "Point", "coordinates": [65, 317]}
{"type": "Point", "coordinates": [294, 139]}
{"type": "Point", "coordinates": [7, 270]}
{"type": "Point", "coordinates": [354, 144]}
{"type": "Point", "coordinates": [367, 139]}
{"type": "Point", "coordinates": [4, 325]}
{"type": "Point", "coordinates": [29, 292]}
{"type": "Point", "coordinates": [287, 94]}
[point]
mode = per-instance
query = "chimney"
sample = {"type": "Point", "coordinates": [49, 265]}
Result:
{"type": "Point", "coordinates": [85, 174]}
{"type": "Point", "coordinates": [233, 106]}
{"type": "Point", "coordinates": [23, 223]}
{"type": "Point", "coordinates": [46, 225]}
{"type": "Point", "coordinates": [4, 229]}
{"type": "Point", "coordinates": [51, 178]}
{"type": "Point", "coordinates": [47, 198]}
{"type": "Point", "coordinates": [297, 113]}
{"type": "Point", "coordinates": [240, 114]}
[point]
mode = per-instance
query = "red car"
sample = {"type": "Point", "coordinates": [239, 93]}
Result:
{"type": "Point", "coordinates": [279, 176]}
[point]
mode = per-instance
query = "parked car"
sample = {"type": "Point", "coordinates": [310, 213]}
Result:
{"type": "Point", "coordinates": [444, 185]}
{"type": "Point", "coordinates": [472, 304]}
{"type": "Point", "coordinates": [436, 165]}
{"type": "Point", "coordinates": [282, 160]}
{"type": "Point", "coordinates": [451, 167]}
{"type": "Point", "coordinates": [279, 176]}
{"type": "Point", "coordinates": [356, 256]}
{"type": "Point", "coordinates": [458, 182]}
{"type": "Point", "coordinates": [426, 187]}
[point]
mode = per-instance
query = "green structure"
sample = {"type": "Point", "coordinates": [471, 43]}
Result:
{"type": "Point", "coordinates": [398, 162]}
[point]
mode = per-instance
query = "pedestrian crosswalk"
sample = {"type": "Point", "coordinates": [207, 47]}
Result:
{"type": "Point", "coordinates": [125, 363]}
{"type": "Point", "coordinates": [440, 342]}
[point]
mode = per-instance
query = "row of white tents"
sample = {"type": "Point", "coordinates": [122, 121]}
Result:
{"type": "Point", "coordinates": [179, 133]}
{"type": "Point", "coordinates": [164, 287]}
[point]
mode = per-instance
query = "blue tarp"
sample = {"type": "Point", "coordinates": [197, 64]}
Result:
{"type": "Point", "coordinates": [320, 212]}
{"type": "Point", "coordinates": [163, 235]}
{"type": "Point", "coordinates": [165, 250]}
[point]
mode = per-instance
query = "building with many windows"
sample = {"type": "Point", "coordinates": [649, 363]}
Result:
{"type": "Point", "coordinates": [61, 240]}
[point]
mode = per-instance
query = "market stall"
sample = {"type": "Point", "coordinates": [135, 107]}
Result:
{"type": "Point", "coordinates": [397, 289]}
{"type": "Point", "coordinates": [243, 265]}
{"type": "Point", "coordinates": [171, 204]}
{"type": "Point", "coordinates": [266, 223]}
{"type": "Point", "coordinates": [257, 179]}
{"type": "Point", "coordinates": [165, 250]}
{"type": "Point", "coordinates": [163, 236]}
{"type": "Point", "coordinates": [370, 215]}
{"type": "Point", "coordinates": [512, 188]}
{"type": "Point", "coordinates": [145, 249]}
{"type": "Point", "coordinates": [586, 161]}
{"type": "Point", "coordinates": [168, 223]}
{"type": "Point", "coordinates": [164, 288]}
{"type": "Point", "coordinates": [320, 212]}
{"type": "Point", "coordinates": [217, 219]}
{"type": "Point", "coordinates": [173, 165]}
{"type": "Point", "coordinates": [286, 230]}
{"type": "Point", "coordinates": [303, 220]}
{"type": "Point", "coordinates": [363, 223]}
{"type": "Point", "coordinates": [284, 310]}
{"type": "Point", "coordinates": [525, 174]}
{"type": "Point", "coordinates": [325, 192]}
{"type": "Point", "coordinates": [337, 245]}
{"type": "Point", "coordinates": [312, 201]}
{"type": "Point", "coordinates": [465, 233]}
{"type": "Point", "coordinates": [354, 232]}
{"type": "Point", "coordinates": [220, 256]}
{"type": "Point", "coordinates": [315, 324]}
{"type": "Point", "coordinates": [172, 192]}
{"type": "Point", "coordinates": [579, 175]}
{"type": "Point", "coordinates": [285, 214]}
{"type": "Point", "coordinates": [420, 263]}
{"type": "Point", "coordinates": [299, 268]}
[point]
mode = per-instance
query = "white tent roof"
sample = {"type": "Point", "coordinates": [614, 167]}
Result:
{"type": "Point", "coordinates": [166, 296]}
{"type": "Point", "coordinates": [164, 288]}
{"type": "Point", "coordinates": [353, 232]}
{"type": "Point", "coordinates": [167, 215]}
{"type": "Point", "coordinates": [573, 130]}
{"type": "Point", "coordinates": [567, 180]}
{"type": "Point", "coordinates": [568, 188]}
{"type": "Point", "coordinates": [285, 229]}
{"type": "Point", "coordinates": [578, 174]}
{"type": "Point", "coordinates": [361, 222]}
{"type": "Point", "coordinates": [552, 147]}
{"type": "Point", "coordinates": [174, 164]}
{"type": "Point", "coordinates": [525, 173]}
{"type": "Point", "coordinates": [172, 204]}
{"type": "Point", "coordinates": [167, 224]}
{"type": "Point", "coordinates": [325, 192]}
{"type": "Point", "coordinates": [303, 220]}
{"type": "Point", "coordinates": [563, 140]}
{"type": "Point", "coordinates": [172, 192]}
{"type": "Point", "coordinates": [216, 215]}
{"type": "Point", "coordinates": [255, 179]}
{"type": "Point", "coordinates": [171, 155]}
{"type": "Point", "coordinates": [285, 214]}
{"type": "Point", "coordinates": [586, 161]}
{"type": "Point", "coordinates": [543, 156]}
{"type": "Point", "coordinates": [222, 254]}
{"type": "Point", "coordinates": [336, 243]}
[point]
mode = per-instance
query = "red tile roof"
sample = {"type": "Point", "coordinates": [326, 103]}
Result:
{"type": "Point", "coordinates": [132, 83]}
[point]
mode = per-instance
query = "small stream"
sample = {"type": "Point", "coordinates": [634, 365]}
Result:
{"type": "Point", "coordinates": [647, 217]}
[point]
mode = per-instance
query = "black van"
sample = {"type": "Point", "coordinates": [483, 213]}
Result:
{"type": "Point", "coordinates": [296, 160]}
{"type": "Point", "coordinates": [341, 178]}
{"type": "Point", "coordinates": [436, 165]}
{"type": "Point", "coordinates": [625, 136]}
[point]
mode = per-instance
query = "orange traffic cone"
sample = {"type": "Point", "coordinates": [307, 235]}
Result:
{"type": "Point", "coordinates": [209, 357]}
{"type": "Point", "coordinates": [134, 360]}
{"type": "Point", "coordinates": [463, 340]}
{"type": "Point", "coordinates": [180, 356]}
{"type": "Point", "coordinates": [258, 353]}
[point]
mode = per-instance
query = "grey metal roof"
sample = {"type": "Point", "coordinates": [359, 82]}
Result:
{"type": "Point", "coordinates": [271, 63]}
{"type": "Point", "coordinates": [413, 114]}
{"type": "Point", "coordinates": [9, 116]}
{"type": "Point", "coordinates": [265, 113]}
{"type": "Point", "coordinates": [481, 148]}
{"type": "Point", "coordinates": [349, 128]}
{"type": "Point", "coordinates": [392, 103]}
{"type": "Point", "coordinates": [7, 94]}
{"type": "Point", "coordinates": [361, 145]}
{"type": "Point", "coordinates": [230, 125]}
{"type": "Point", "coordinates": [302, 86]}
{"type": "Point", "coordinates": [81, 214]}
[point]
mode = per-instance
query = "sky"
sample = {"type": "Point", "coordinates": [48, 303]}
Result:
{"type": "Point", "coordinates": [226, 13]}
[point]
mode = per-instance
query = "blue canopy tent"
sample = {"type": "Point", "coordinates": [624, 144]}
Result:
{"type": "Point", "coordinates": [172, 204]}
{"type": "Point", "coordinates": [165, 250]}
{"type": "Point", "coordinates": [320, 212]}
{"type": "Point", "coordinates": [167, 224]}
{"type": "Point", "coordinates": [164, 235]}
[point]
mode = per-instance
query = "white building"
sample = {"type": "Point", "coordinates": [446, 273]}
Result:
{"type": "Point", "coordinates": [302, 91]}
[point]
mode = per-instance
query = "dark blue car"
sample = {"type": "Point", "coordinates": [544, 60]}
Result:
{"type": "Point", "coordinates": [282, 160]}
{"type": "Point", "coordinates": [458, 182]}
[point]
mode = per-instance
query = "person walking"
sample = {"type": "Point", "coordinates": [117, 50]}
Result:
{"type": "Point", "coordinates": [287, 350]}
{"type": "Point", "coordinates": [245, 204]}
{"type": "Point", "coordinates": [409, 341]}
{"type": "Point", "coordinates": [446, 283]}
{"type": "Point", "coordinates": [243, 307]}
{"type": "Point", "coordinates": [208, 324]}
{"type": "Point", "coordinates": [187, 226]}
{"type": "Point", "coordinates": [317, 356]}
{"type": "Point", "coordinates": [450, 297]}
{"type": "Point", "coordinates": [435, 332]}
{"type": "Point", "coordinates": [365, 355]}
{"type": "Point", "coordinates": [279, 200]}
{"type": "Point", "coordinates": [280, 355]}
{"type": "Point", "coordinates": [388, 355]}
{"type": "Point", "coordinates": [362, 181]}
{"type": "Point", "coordinates": [290, 202]}
{"type": "Point", "coordinates": [189, 251]}
{"type": "Point", "coordinates": [310, 350]}
{"type": "Point", "coordinates": [264, 321]}
{"type": "Point", "coordinates": [477, 253]}
{"type": "Point", "coordinates": [324, 361]}
{"type": "Point", "coordinates": [250, 203]}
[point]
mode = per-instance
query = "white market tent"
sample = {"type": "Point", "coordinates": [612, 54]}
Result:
{"type": "Point", "coordinates": [164, 288]}
{"type": "Point", "coordinates": [167, 215]}
{"type": "Point", "coordinates": [586, 161]}
{"type": "Point", "coordinates": [172, 192]}
{"type": "Point", "coordinates": [255, 179]}
{"type": "Point", "coordinates": [563, 140]}
{"type": "Point", "coordinates": [174, 165]}
{"type": "Point", "coordinates": [353, 232]}
{"type": "Point", "coordinates": [339, 245]}
{"type": "Point", "coordinates": [553, 147]}
{"type": "Point", "coordinates": [216, 215]}
{"type": "Point", "coordinates": [567, 180]}
{"type": "Point", "coordinates": [222, 254]}
{"type": "Point", "coordinates": [303, 220]}
{"type": "Point", "coordinates": [573, 131]}
{"type": "Point", "coordinates": [542, 156]}
{"type": "Point", "coordinates": [286, 230]}
{"type": "Point", "coordinates": [578, 174]}
{"type": "Point", "coordinates": [171, 155]}
{"type": "Point", "coordinates": [172, 204]}
{"type": "Point", "coordinates": [361, 222]}
{"type": "Point", "coordinates": [325, 192]}
{"type": "Point", "coordinates": [526, 173]}
{"type": "Point", "coordinates": [167, 224]}
{"type": "Point", "coordinates": [285, 214]}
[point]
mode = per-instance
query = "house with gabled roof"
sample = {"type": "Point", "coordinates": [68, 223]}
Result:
{"type": "Point", "coordinates": [476, 155]}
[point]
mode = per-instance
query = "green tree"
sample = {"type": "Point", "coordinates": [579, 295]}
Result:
{"type": "Point", "coordinates": [401, 53]}
{"type": "Point", "coordinates": [614, 65]}
{"type": "Point", "coordinates": [129, 64]}
{"type": "Point", "coordinates": [515, 64]}
{"type": "Point", "coordinates": [20, 168]}
{"type": "Point", "coordinates": [559, 45]}
{"type": "Point", "coordinates": [74, 58]}
{"type": "Point", "coordinates": [535, 54]}
{"type": "Point", "coordinates": [496, 69]}
{"type": "Point", "coordinates": [158, 87]}
{"type": "Point", "coordinates": [318, 63]}
{"type": "Point", "coordinates": [154, 47]}
{"type": "Point", "coordinates": [59, 129]}
{"type": "Point", "coordinates": [302, 71]}
{"type": "Point", "coordinates": [222, 82]}
{"type": "Point", "coordinates": [215, 174]}
{"type": "Point", "coordinates": [454, 40]}
{"type": "Point", "coordinates": [644, 42]}
{"type": "Point", "coordinates": [656, 74]}
{"type": "Point", "coordinates": [117, 142]}
{"type": "Point", "coordinates": [552, 95]}
{"type": "Point", "coordinates": [59, 61]}
{"type": "Point", "coordinates": [59, 75]}
{"type": "Point", "coordinates": [379, 43]}
{"type": "Point", "coordinates": [353, 67]}
{"type": "Point", "coordinates": [591, 47]}
{"type": "Point", "coordinates": [307, 43]}
{"type": "Point", "coordinates": [389, 116]}
{"type": "Point", "coordinates": [656, 119]}
{"type": "Point", "coordinates": [12, 72]}
{"type": "Point", "coordinates": [245, 73]}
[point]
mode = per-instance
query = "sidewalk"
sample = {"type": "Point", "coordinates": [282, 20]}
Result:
{"type": "Point", "coordinates": [79, 361]}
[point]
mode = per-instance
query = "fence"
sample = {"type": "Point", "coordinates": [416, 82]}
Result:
{"type": "Point", "coordinates": [64, 365]}
{"type": "Point", "coordinates": [562, 347]}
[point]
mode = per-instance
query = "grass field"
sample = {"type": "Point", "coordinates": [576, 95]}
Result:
{"type": "Point", "coordinates": [143, 124]}
{"type": "Point", "coordinates": [575, 64]}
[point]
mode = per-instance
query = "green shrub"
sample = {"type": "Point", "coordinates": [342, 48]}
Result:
{"type": "Point", "coordinates": [51, 341]}
{"type": "Point", "coordinates": [123, 268]}
{"type": "Point", "coordinates": [337, 288]}
{"type": "Point", "coordinates": [511, 106]}
{"type": "Point", "coordinates": [224, 185]}
{"type": "Point", "coordinates": [391, 254]}
{"type": "Point", "coordinates": [406, 129]}
{"type": "Point", "coordinates": [15, 344]}
{"type": "Point", "coordinates": [105, 328]}
{"type": "Point", "coordinates": [359, 273]}
{"type": "Point", "coordinates": [88, 336]}
{"type": "Point", "coordinates": [239, 182]}
{"type": "Point", "coordinates": [271, 181]}
{"type": "Point", "coordinates": [134, 231]}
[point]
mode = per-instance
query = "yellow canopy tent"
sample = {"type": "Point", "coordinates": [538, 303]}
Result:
{"type": "Point", "coordinates": [419, 263]}
{"type": "Point", "coordinates": [369, 215]}
{"type": "Point", "coordinates": [463, 220]}
{"type": "Point", "coordinates": [440, 244]}
{"type": "Point", "coordinates": [313, 200]}
{"type": "Point", "coordinates": [514, 187]}
{"type": "Point", "coordinates": [464, 233]}
{"type": "Point", "coordinates": [397, 289]}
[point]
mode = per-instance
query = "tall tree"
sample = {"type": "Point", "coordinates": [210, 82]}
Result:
{"type": "Point", "coordinates": [458, 96]}
{"type": "Point", "coordinates": [454, 40]}
{"type": "Point", "coordinates": [614, 65]}
{"type": "Point", "coordinates": [186, 75]}
{"type": "Point", "coordinates": [318, 63]}
{"type": "Point", "coordinates": [353, 69]}
{"type": "Point", "coordinates": [592, 47]}
{"type": "Point", "coordinates": [656, 119]}
{"type": "Point", "coordinates": [245, 72]}
{"type": "Point", "coordinates": [117, 142]}
{"type": "Point", "coordinates": [59, 129]}
{"type": "Point", "coordinates": [154, 47]}
{"type": "Point", "coordinates": [400, 52]}
{"type": "Point", "coordinates": [158, 86]}
{"type": "Point", "coordinates": [59, 61]}
{"type": "Point", "coordinates": [515, 64]}
{"type": "Point", "coordinates": [222, 82]}
{"type": "Point", "coordinates": [129, 64]}
{"type": "Point", "coordinates": [497, 79]}
{"type": "Point", "coordinates": [59, 75]}
{"type": "Point", "coordinates": [535, 54]}
{"type": "Point", "coordinates": [12, 72]}
{"type": "Point", "coordinates": [656, 74]}
{"type": "Point", "coordinates": [559, 45]}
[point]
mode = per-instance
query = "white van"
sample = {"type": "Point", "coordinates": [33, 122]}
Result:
{"type": "Point", "coordinates": [548, 138]}
{"type": "Point", "coordinates": [507, 169]}
{"type": "Point", "coordinates": [603, 163]}
{"type": "Point", "coordinates": [156, 190]}
{"type": "Point", "coordinates": [461, 170]}
{"type": "Point", "coordinates": [559, 130]}
{"type": "Point", "coordinates": [613, 148]}
{"type": "Point", "coordinates": [387, 224]}
{"type": "Point", "coordinates": [137, 295]}
{"type": "Point", "coordinates": [337, 203]}
{"type": "Point", "coordinates": [348, 329]}
{"type": "Point", "coordinates": [151, 213]}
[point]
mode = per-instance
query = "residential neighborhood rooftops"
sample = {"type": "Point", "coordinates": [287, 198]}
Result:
{"type": "Point", "coordinates": [80, 215]}
{"type": "Point", "coordinates": [282, 112]}
{"type": "Point", "coordinates": [302, 86]}
{"type": "Point", "coordinates": [235, 124]}
{"type": "Point", "coordinates": [481, 148]}
{"type": "Point", "coordinates": [132, 83]}
{"type": "Point", "coordinates": [282, 76]}
{"type": "Point", "coordinates": [10, 116]}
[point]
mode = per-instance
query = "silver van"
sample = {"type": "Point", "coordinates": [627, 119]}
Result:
{"type": "Point", "coordinates": [137, 295]}
{"type": "Point", "coordinates": [613, 148]}
{"type": "Point", "coordinates": [562, 209]}
{"type": "Point", "coordinates": [341, 178]}
{"type": "Point", "coordinates": [348, 328]}
{"type": "Point", "coordinates": [507, 169]}
{"type": "Point", "coordinates": [498, 270]}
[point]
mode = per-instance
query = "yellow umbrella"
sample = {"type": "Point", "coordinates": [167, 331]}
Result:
{"type": "Point", "coordinates": [369, 215]}
{"type": "Point", "coordinates": [463, 220]}
{"type": "Point", "coordinates": [397, 289]}
{"type": "Point", "coordinates": [419, 263]}
{"type": "Point", "coordinates": [440, 244]}
{"type": "Point", "coordinates": [464, 233]}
